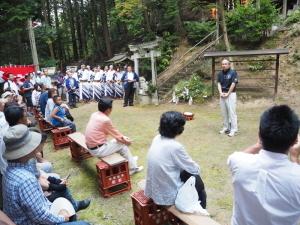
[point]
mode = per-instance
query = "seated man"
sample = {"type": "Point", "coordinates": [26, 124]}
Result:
{"type": "Point", "coordinates": [266, 184]}
{"type": "Point", "coordinates": [169, 165]}
{"type": "Point", "coordinates": [97, 131]}
{"type": "Point", "coordinates": [23, 198]}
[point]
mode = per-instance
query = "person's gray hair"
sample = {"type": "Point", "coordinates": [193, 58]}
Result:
{"type": "Point", "coordinates": [226, 60]}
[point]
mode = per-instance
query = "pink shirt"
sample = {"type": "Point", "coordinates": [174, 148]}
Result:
{"type": "Point", "coordinates": [98, 128]}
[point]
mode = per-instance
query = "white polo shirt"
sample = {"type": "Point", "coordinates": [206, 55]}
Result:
{"type": "Point", "coordinates": [12, 85]}
{"type": "Point", "coordinates": [266, 189]}
{"type": "Point", "coordinates": [110, 75]}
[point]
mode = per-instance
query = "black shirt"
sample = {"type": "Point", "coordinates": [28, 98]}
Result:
{"type": "Point", "coordinates": [226, 78]}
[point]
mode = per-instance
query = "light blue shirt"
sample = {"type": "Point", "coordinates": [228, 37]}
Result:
{"type": "Point", "coordinates": [46, 81]}
{"type": "Point", "coordinates": [167, 158]}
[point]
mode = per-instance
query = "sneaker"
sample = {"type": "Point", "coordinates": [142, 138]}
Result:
{"type": "Point", "coordinates": [136, 170]}
{"type": "Point", "coordinates": [224, 131]}
{"type": "Point", "coordinates": [232, 133]}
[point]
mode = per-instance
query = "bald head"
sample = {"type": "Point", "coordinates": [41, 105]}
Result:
{"type": "Point", "coordinates": [225, 64]}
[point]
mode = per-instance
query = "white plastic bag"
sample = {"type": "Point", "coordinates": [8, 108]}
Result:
{"type": "Point", "coordinates": [187, 198]}
{"type": "Point", "coordinates": [62, 204]}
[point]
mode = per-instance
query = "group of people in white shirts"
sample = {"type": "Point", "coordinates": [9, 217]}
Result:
{"type": "Point", "coordinates": [99, 82]}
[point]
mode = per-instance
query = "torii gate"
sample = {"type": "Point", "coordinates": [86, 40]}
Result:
{"type": "Point", "coordinates": [146, 50]}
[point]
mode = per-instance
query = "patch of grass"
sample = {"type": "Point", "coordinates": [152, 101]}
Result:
{"type": "Point", "coordinates": [200, 138]}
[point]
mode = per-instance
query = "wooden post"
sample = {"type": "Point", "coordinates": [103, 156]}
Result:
{"type": "Point", "coordinates": [213, 70]}
{"type": "Point", "coordinates": [276, 75]}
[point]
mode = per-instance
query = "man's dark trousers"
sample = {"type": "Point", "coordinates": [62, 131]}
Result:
{"type": "Point", "coordinates": [129, 95]}
{"type": "Point", "coordinates": [72, 99]}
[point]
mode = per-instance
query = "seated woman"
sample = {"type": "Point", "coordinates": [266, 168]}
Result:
{"type": "Point", "coordinates": [58, 115]}
{"type": "Point", "coordinates": [169, 165]}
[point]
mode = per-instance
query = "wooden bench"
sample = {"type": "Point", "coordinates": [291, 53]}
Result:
{"type": "Point", "coordinates": [189, 219]}
{"type": "Point", "coordinates": [112, 171]}
{"type": "Point", "coordinates": [178, 218]}
{"type": "Point", "coordinates": [78, 148]}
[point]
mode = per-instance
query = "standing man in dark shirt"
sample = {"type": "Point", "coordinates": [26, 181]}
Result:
{"type": "Point", "coordinates": [227, 81]}
{"type": "Point", "coordinates": [130, 80]}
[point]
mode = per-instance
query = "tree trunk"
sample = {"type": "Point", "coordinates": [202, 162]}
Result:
{"type": "Point", "coordinates": [72, 27]}
{"type": "Point", "coordinates": [95, 27]}
{"type": "Point", "coordinates": [83, 31]}
{"type": "Point", "coordinates": [47, 13]}
{"type": "Point", "coordinates": [258, 4]}
{"type": "Point", "coordinates": [179, 24]}
{"type": "Point", "coordinates": [59, 44]}
{"type": "Point", "coordinates": [284, 8]}
{"type": "Point", "coordinates": [146, 17]}
{"type": "Point", "coordinates": [223, 24]}
{"type": "Point", "coordinates": [78, 28]}
{"type": "Point", "coordinates": [103, 14]}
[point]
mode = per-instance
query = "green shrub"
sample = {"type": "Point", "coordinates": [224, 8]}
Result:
{"type": "Point", "coordinates": [256, 66]}
{"type": "Point", "coordinates": [194, 87]}
{"type": "Point", "coordinates": [293, 18]}
{"type": "Point", "coordinates": [196, 31]}
{"type": "Point", "coordinates": [249, 24]}
{"type": "Point", "coordinates": [48, 62]}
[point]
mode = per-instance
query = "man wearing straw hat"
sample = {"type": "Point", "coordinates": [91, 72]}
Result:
{"type": "Point", "coordinates": [24, 201]}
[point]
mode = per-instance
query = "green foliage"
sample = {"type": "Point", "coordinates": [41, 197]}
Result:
{"type": "Point", "coordinates": [130, 13]}
{"type": "Point", "coordinates": [166, 47]}
{"type": "Point", "coordinates": [198, 30]}
{"type": "Point", "coordinates": [293, 18]}
{"type": "Point", "coordinates": [256, 66]}
{"type": "Point", "coordinates": [46, 33]}
{"type": "Point", "coordinates": [48, 62]}
{"type": "Point", "coordinates": [249, 24]}
{"type": "Point", "coordinates": [194, 87]}
{"type": "Point", "coordinates": [151, 89]}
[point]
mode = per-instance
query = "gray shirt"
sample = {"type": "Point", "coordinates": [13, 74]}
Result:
{"type": "Point", "coordinates": [166, 159]}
